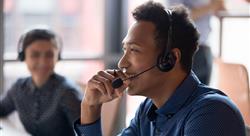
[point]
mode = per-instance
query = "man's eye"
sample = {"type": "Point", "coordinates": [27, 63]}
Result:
{"type": "Point", "coordinates": [134, 50]}
{"type": "Point", "coordinates": [124, 49]}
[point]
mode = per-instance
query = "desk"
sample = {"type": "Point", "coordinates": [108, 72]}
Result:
{"type": "Point", "coordinates": [9, 128]}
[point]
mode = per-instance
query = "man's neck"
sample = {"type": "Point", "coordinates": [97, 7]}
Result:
{"type": "Point", "coordinates": [165, 91]}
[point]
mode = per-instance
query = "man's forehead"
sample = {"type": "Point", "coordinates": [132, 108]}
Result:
{"type": "Point", "coordinates": [140, 32]}
{"type": "Point", "coordinates": [142, 28]}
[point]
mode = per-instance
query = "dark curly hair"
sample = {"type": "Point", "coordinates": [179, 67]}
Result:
{"type": "Point", "coordinates": [184, 34]}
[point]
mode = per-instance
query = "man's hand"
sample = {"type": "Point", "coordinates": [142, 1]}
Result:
{"type": "Point", "coordinates": [98, 91]}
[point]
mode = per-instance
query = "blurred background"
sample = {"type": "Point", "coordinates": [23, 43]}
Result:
{"type": "Point", "coordinates": [92, 31]}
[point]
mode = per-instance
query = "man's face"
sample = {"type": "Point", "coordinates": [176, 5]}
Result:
{"type": "Point", "coordinates": [41, 57]}
{"type": "Point", "coordinates": [140, 53]}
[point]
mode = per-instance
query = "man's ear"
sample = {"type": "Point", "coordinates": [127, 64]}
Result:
{"type": "Point", "coordinates": [177, 53]}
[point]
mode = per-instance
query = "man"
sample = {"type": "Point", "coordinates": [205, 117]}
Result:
{"type": "Point", "coordinates": [156, 63]}
{"type": "Point", "coordinates": [201, 12]}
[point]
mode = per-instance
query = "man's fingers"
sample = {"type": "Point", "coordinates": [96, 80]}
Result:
{"type": "Point", "coordinates": [99, 85]}
{"type": "Point", "coordinates": [106, 74]}
{"type": "Point", "coordinates": [106, 82]}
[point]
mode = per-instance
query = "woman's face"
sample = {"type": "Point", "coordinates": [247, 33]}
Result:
{"type": "Point", "coordinates": [41, 57]}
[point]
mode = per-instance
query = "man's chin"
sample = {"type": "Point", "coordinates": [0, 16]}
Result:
{"type": "Point", "coordinates": [131, 91]}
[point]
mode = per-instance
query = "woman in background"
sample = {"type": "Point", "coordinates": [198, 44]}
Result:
{"type": "Point", "coordinates": [46, 102]}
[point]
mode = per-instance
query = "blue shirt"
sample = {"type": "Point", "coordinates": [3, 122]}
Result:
{"type": "Point", "coordinates": [192, 110]}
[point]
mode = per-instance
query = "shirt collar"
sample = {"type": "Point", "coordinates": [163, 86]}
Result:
{"type": "Point", "coordinates": [178, 99]}
{"type": "Point", "coordinates": [32, 87]}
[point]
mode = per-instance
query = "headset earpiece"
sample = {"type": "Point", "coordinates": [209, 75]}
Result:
{"type": "Point", "coordinates": [59, 43]}
{"type": "Point", "coordinates": [20, 51]}
{"type": "Point", "coordinates": [59, 56]}
{"type": "Point", "coordinates": [21, 56]}
{"type": "Point", "coordinates": [166, 63]}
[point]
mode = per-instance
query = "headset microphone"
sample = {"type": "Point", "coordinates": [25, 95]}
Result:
{"type": "Point", "coordinates": [118, 82]}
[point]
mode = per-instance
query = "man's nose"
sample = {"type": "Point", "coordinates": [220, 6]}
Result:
{"type": "Point", "coordinates": [123, 62]}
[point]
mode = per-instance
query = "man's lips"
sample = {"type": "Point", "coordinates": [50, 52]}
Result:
{"type": "Point", "coordinates": [130, 75]}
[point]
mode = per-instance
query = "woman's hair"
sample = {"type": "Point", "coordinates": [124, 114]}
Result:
{"type": "Point", "coordinates": [33, 35]}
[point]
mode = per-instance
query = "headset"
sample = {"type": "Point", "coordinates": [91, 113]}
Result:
{"type": "Point", "coordinates": [166, 60]}
{"type": "Point", "coordinates": [37, 34]}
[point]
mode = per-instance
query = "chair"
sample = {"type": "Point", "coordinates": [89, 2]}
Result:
{"type": "Point", "coordinates": [233, 80]}
{"type": "Point", "coordinates": [109, 115]}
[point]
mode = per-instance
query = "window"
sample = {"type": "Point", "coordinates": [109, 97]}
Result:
{"type": "Point", "coordinates": [80, 27]}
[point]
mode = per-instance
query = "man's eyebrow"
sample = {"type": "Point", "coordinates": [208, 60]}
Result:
{"type": "Point", "coordinates": [131, 43]}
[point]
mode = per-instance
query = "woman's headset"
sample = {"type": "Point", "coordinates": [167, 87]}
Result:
{"type": "Point", "coordinates": [37, 34]}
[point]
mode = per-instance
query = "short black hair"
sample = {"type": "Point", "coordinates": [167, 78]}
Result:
{"type": "Point", "coordinates": [184, 33]}
{"type": "Point", "coordinates": [37, 34]}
